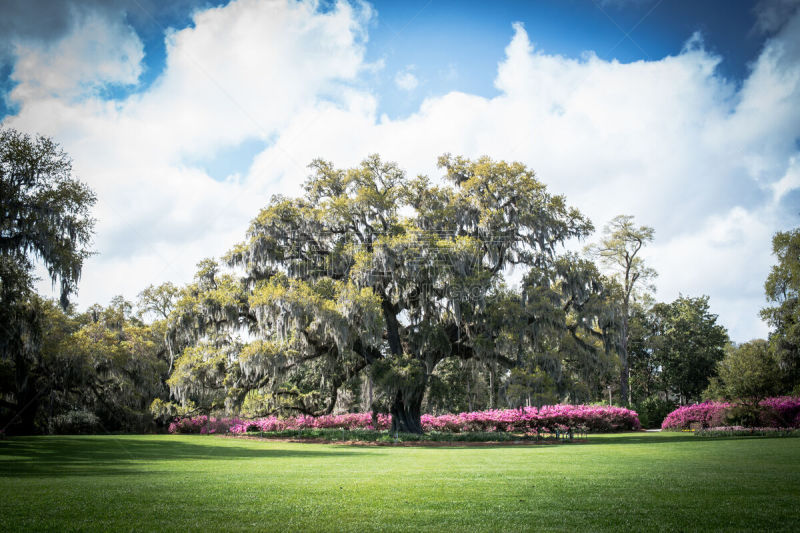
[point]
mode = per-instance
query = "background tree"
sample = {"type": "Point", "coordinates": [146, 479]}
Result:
{"type": "Point", "coordinates": [96, 371]}
{"type": "Point", "coordinates": [45, 217]}
{"type": "Point", "coordinates": [645, 375]}
{"type": "Point", "coordinates": [619, 249]}
{"type": "Point", "coordinates": [157, 302]}
{"type": "Point", "coordinates": [372, 270]}
{"type": "Point", "coordinates": [457, 386]}
{"type": "Point", "coordinates": [783, 289]}
{"type": "Point", "coordinates": [126, 361]}
{"type": "Point", "coordinates": [687, 343]}
{"type": "Point", "coordinates": [748, 374]}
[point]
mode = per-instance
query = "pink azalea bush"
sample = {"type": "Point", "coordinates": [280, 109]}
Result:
{"type": "Point", "coordinates": [782, 411]}
{"type": "Point", "coordinates": [530, 419]}
{"type": "Point", "coordinates": [706, 414]}
{"type": "Point", "coordinates": [547, 419]}
{"type": "Point", "coordinates": [202, 424]}
{"type": "Point", "coordinates": [344, 421]}
{"type": "Point", "coordinates": [785, 411]}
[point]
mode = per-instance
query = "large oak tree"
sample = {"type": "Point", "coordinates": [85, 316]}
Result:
{"type": "Point", "coordinates": [373, 270]}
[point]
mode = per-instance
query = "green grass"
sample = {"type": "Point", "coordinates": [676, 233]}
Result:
{"type": "Point", "coordinates": [179, 483]}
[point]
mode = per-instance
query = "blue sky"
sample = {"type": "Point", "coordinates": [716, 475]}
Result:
{"type": "Point", "coordinates": [186, 117]}
{"type": "Point", "coordinates": [455, 45]}
{"type": "Point", "coordinates": [451, 45]}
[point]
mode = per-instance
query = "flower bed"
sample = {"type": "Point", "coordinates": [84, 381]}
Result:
{"type": "Point", "coordinates": [548, 419]}
{"type": "Point", "coordinates": [442, 437]}
{"type": "Point", "coordinates": [740, 431]}
{"type": "Point", "coordinates": [202, 424]}
{"type": "Point", "coordinates": [783, 411]}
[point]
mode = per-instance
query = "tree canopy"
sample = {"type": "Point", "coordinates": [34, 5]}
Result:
{"type": "Point", "coordinates": [748, 373]}
{"type": "Point", "coordinates": [619, 250]}
{"type": "Point", "coordinates": [688, 343]}
{"type": "Point", "coordinates": [370, 269]}
{"type": "Point", "coordinates": [782, 288]}
{"type": "Point", "coordinates": [44, 216]}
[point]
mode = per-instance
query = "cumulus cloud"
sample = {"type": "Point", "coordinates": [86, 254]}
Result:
{"type": "Point", "coordinates": [405, 79]}
{"type": "Point", "coordinates": [96, 52]}
{"type": "Point", "coordinates": [710, 164]}
{"type": "Point", "coordinates": [157, 214]}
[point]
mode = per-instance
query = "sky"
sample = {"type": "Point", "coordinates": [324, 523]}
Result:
{"type": "Point", "coordinates": [186, 117]}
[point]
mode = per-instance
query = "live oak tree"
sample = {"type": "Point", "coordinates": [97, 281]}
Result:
{"type": "Point", "coordinates": [45, 217]}
{"type": "Point", "coordinates": [371, 270]}
{"type": "Point", "coordinates": [645, 365]}
{"type": "Point", "coordinates": [619, 250]}
{"type": "Point", "coordinates": [111, 366]}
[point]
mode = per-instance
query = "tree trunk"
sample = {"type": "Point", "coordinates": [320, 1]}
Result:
{"type": "Point", "coordinates": [491, 387]}
{"type": "Point", "coordinates": [469, 392]}
{"type": "Point", "coordinates": [406, 409]}
{"type": "Point", "coordinates": [23, 421]}
{"type": "Point", "coordinates": [624, 373]}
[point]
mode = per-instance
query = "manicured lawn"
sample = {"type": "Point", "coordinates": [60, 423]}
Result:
{"type": "Point", "coordinates": [631, 482]}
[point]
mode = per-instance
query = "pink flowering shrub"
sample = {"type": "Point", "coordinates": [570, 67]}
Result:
{"type": "Point", "coordinates": [783, 411]}
{"type": "Point", "coordinates": [345, 421]}
{"type": "Point", "coordinates": [201, 424]}
{"type": "Point", "coordinates": [706, 414]}
{"type": "Point", "coordinates": [547, 419]}
{"type": "Point", "coordinates": [530, 419]}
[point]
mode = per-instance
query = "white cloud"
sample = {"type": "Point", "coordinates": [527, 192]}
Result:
{"type": "Point", "coordinates": [709, 164]}
{"type": "Point", "coordinates": [242, 71]}
{"type": "Point", "coordinates": [405, 79]}
{"type": "Point", "coordinates": [668, 141]}
{"type": "Point", "coordinates": [96, 52]}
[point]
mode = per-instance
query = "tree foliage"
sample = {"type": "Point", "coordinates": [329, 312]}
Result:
{"type": "Point", "coordinates": [748, 374]}
{"type": "Point", "coordinates": [371, 270]}
{"type": "Point", "coordinates": [783, 291]}
{"type": "Point", "coordinates": [688, 343]}
{"type": "Point", "coordinates": [97, 370]}
{"type": "Point", "coordinates": [44, 217]}
{"type": "Point", "coordinates": [45, 211]}
{"type": "Point", "coordinates": [619, 250]}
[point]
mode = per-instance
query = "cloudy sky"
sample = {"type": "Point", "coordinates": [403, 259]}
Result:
{"type": "Point", "coordinates": [185, 119]}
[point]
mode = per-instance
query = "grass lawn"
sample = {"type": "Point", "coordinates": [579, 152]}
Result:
{"type": "Point", "coordinates": [654, 481]}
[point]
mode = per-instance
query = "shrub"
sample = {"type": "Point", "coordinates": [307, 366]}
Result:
{"type": "Point", "coordinates": [783, 411]}
{"type": "Point", "coordinates": [747, 415]}
{"type": "Point", "coordinates": [78, 422]}
{"type": "Point", "coordinates": [528, 420]}
{"type": "Point", "coordinates": [706, 414]}
{"type": "Point", "coordinates": [653, 410]}
{"type": "Point", "coordinates": [202, 424]}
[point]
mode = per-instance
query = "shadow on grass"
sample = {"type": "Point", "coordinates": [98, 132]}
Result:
{"type": "Point", "coordinates": [90, 456]}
